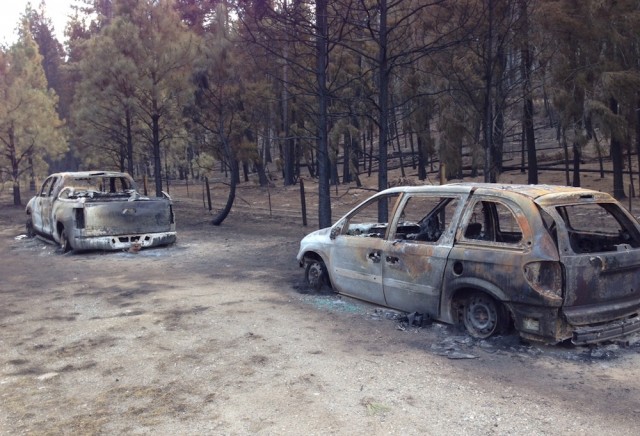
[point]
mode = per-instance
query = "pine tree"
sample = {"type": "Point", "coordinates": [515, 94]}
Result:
{"type": "Point", "coordinates": [145, 56]}
{"type": "Point", "coordinates": [30, 129]}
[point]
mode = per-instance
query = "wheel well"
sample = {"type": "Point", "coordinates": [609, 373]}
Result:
{"type": "Point", "coordinates": [59, 229]}
{"type": "Point", "coordinates": [311, 255]}
{"type": "Point", "coordinates": [460, 296]}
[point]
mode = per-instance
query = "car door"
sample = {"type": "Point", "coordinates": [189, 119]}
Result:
{"type": "Point", "coordinates": [493, 244]}
{"type": "Point", "coordinates": [356, 253]}
{"type": "Point", "coordinates": [47, 208]}
{"type": "Point", "coordinates": [41, 212]}
{"type": "Point", "coordinates": [415, 256]}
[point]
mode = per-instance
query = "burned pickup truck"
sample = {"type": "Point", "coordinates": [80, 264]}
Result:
{"type": "Point", "coordinates": [99, 210]}
{"type": "Point", "coordinates": [556, 262]}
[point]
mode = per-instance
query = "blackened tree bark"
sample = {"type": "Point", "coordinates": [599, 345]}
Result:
{"type": "Point", "coordinates": [383, 118]}
{"type": "Point", "coordinates": [324, 196]}
{"type": "Point", "coordinates": [262, 175]}
{"type": "Point", "coordinates": [422, 170]}
{"type": "Point", "coordinates": [527, 119]}
{"type": "Point", "coordinates": [487, 120]}
{"type": "Point", "coordinates": [577, 152]}
{"type": "Point", "coordinates": [617, 158]}
{"type": "Point", "coordinates": [637, 120]}
{"type": "Point", "coordinates": [233, 180]}
{"type": "Point", "coordinates": [129, 134]}
{"type": "Point", "coordinates": [346, 166]}
{"type": "Point", "coordinates": [157, 162]}
{"type": "Point", "coordinates": [530, 142]}
{"type": "Point", "coordinates": [499, 104]}
{"type": "Point", "coordinates": [288, 149]}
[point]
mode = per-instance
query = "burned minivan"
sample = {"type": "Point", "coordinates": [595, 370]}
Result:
{"type": "Point", "coordinates": [554, 262]}
{"type": "Point", "coordinates": [99, 210]}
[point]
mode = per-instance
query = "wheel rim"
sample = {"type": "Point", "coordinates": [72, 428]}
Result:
{"type": "Point", "coordinates": [315, 275]}
{"type": "Point", "coordinates": [481, 316]}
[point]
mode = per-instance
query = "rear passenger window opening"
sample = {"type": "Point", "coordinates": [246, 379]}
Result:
{"type": "Point", "coordinates": [598, 227]}
{"type": "Point", "coordinates": [493, 221]}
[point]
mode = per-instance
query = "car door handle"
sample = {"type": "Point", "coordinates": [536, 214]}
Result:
{"type": "Point", "coordinates": [392, 259]}
{"type": "Point", "coordinates": [374, 256]}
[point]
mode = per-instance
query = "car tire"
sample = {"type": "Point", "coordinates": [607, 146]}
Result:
{"type": "Point", "coordinates": [315, 274]}
{"type": "Point", "coordinates": [29, 227]}
{"type": "Point", "coordinates": [65, 246]}
{"type": "Point", "coordinates": [483, 316]}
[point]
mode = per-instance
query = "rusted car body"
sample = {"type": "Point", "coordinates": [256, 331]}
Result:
{"type": "Point", "coordinates": [556, 262]}
{"type": "Point", "coordinates": [99, 210]}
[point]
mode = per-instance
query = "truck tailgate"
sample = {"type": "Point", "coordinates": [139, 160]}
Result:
{"type": "Point", "coordinates": [127, 217]}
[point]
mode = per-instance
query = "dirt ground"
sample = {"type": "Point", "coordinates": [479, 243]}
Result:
{"type": "Point", "coordinates": [218, 335]}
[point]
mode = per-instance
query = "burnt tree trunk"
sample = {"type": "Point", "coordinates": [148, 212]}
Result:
{"type": "Point", "coordinates": [129, 142]}
{"type": "Point", "coordinates": [346, 174]}
{"type": "Point", "coordinates": [576, 164]}
{"type": "Point", "coordinates": [617, 158]}
{"type": "Point", "coordinates": [529, 140]}
{"type": "Point", "coordinates": [422, 165]}
{"type": "Point", "coordinates": [638, 139]}
{"type": "Point", "coordinates": [233, 167]}
{"type": "Point", "coordinates": [157, 162]}
{"type": "Point", "coordinates": [324, 193]}
{"type": "Point", "coordinates": [383, 118]}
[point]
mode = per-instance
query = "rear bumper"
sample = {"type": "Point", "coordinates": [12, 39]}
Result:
{"type": "Point", "coordinates": [602, 312]}
{"type": "Point", "coordinates": [606, 332]}
{"type": "Point", "coordinates": [551, 325]}
{"type": "Point", "coordinates": [123, 242]}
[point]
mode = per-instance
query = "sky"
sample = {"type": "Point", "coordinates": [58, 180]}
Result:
{"type": "Point", "coordinates": [10, 11]}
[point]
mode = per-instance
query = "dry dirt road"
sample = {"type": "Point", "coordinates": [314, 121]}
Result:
{"type": "Point", "coordinates": [216, 335]}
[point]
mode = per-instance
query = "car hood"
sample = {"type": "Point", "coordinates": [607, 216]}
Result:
{"type": "Point", "coordinates": [314, 240]}
{"type": "Point", "coordinates": [321, 232]}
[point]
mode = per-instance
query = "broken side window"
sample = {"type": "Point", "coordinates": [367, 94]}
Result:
{"type": "Point", "coordinates": [507, 228]}
{"type": "Point", "coordinates": [494, 222]}
{"type": "Point", "coordinates": [118, 185]}
{"type": "Point", "coordinates": [364, 221]}
{"type": "Point", "coordinates": [46, 187]}
{"type": "Point", "coordinates": [598, 227]}
{"type": "Point", "coordinates": [425, 218]}
{"type": "Point", "coordinates": [549, 224]}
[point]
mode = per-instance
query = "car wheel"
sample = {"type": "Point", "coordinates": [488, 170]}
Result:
{"type": "Point", "coordinates": [315, 274]}
{"type": "Point", "coordinates": [483, 316]}
{"type": "Point", "coordinates": [64, 241]}
{"type": "Point", "coordinates": [29, 227]}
